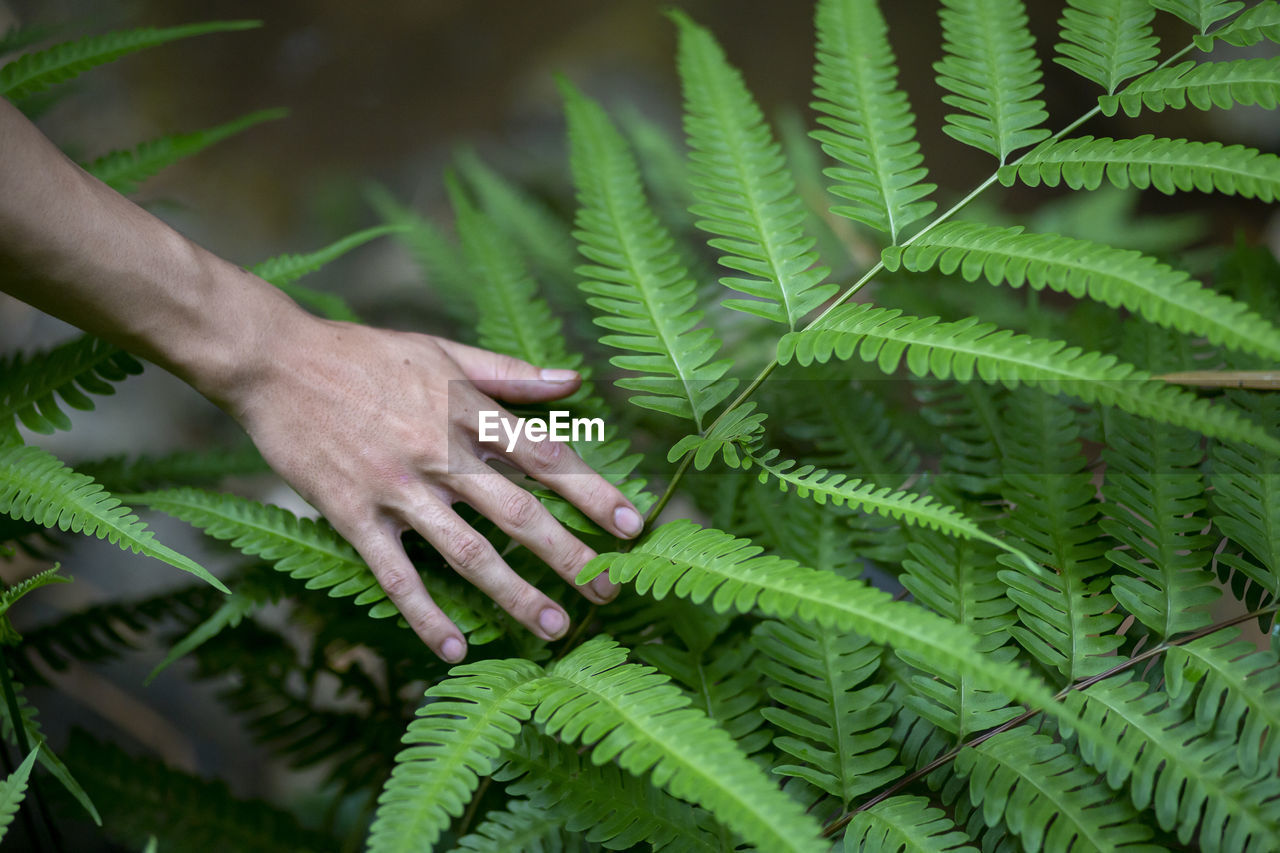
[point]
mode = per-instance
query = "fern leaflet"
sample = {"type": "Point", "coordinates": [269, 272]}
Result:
{"type": "Point", "coordinates": [30, 386]}
{"type": "Point", "coordinates": [635, 281]}
{"type": "Point", "coordinates": [1200, 14]}
{"type": "Point", "coordinates": [906, 824]}
{"type": "Point", "coordinates": [1107, 41]}
{"type": "Point", "coordinates": [1258, 22]}
{"type": "Point", "coordinates": [970, 348]}
{"type": "Point", "coordinates": [47, 757]}
{"type": "Point", "coordinates": [1246, 498]}
{"type": "Point", "coordinates": [12, 791]}
{"type": "Point", "coordinates": [870, 129]}
{"type": "Point", "coordinates": [284, 270]}
{"type": "Point", "coordinates": [992, 73]}
{"type": "Point", "coordinates": [520, 826]}
{"type": "Point", "coordinates": [1238, 82]}
{"type": "Point", "coordinates": [745, 196]}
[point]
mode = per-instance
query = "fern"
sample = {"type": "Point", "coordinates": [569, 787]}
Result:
{"type": "Point", "coordinates": [1246, 500]}
{"type": "Point", "coordinates": [47, 758]}
{"type": "Point", "coordinates": [30, 386]}
{"type": "Point", "coordinates": [13, 789]}
{"type": "Point", "coordinates": [1204, 85]}
{"type": "Point", "coordinates": [1260, 21]}
{"type": "Point", "coordinates": [868, 120]}
{"type": "Point", "coordinates": [1107, 41]}
{"type": "Point", "coordinates": [36, 486]}
{"type": "Point", "coordinates": [992, 73]}
{"type": "Point", "coordinates": [1168, 165]}
{"type": "Point", "coordinates": [967, 348]}
{"type": "Point", "coordinates": [306, 550]}
{"type": "Point", "coordinates": [521, 826]}
{"type": "Point", "coordinates": [124, 170]}
{"type": "Point", "coordinates": [745, 195]}
{"type": "Point", "coordinates": [35, 72]}
{"type": "Point", "coordinates": [12, 594]}
{"type": "Point", "coordinates": [627, 713]}
{"type": "Point", "coordinates": [906, 824]}
{"type": "Point", "coordinates": [284, 270]}
{"type": "Point", "coordinates": [634, 282]}
{"type": "Point", "coordinates": [1201, 14]}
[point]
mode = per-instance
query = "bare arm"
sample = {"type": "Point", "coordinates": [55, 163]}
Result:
{"type": "Point", "coordinates": [356, 419]}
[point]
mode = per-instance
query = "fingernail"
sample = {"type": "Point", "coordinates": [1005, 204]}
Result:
{"type": "Point", "coordinates": [628, 521]}
{"type": "Point", "coordinates": [557, 375]}
{"type": "Point", "coordinates": [604, 588]}
{"type": "Point", "coordinates": [552, 621]}
{"type": "Point", "coordinates": [452, 650]}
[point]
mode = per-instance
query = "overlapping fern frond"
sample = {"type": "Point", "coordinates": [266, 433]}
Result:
{"type": "Point", "coordinates": [1246, 498]}
{"type": "Point", "coordinates": [12, 791]}
{"type": "Point", "coordinates": [31, 385]}
{"type": "Point", "coordinates": [992, 73]}
{"type": "Point", "coordinates": [522, 825]}
{"type": "Point", "coordinates": [906, 824]}
{"type": "Point", "coordinates": [284, 270]}
{"type": "Point", "coordinates": [1201, 14]}
{"type": "Point", "coordinates": [1107, 41]}
{"type": "Point", "coordinates": [1204, 85]}
{"type": "Point", "coordinates": [969, 349]}
{"type": "Point", "coordinates": [745, 195]}
{"type": "Point", "coordinates": [634, 279]}
{"type": "Point", "coordinates": [869, 127]}
{"type": "Point", "coordinates": [1260, 21]}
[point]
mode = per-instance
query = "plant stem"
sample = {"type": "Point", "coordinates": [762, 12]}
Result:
{"type": "Point", "coordinates": [838, 824]}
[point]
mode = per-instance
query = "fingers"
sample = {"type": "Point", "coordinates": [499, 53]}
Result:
{"type": "Point", "coordinates": [471, 556]}
{"type": "Point", "coordinates": [523, 517]}
{"type": "Point", "coordinates": [402, 584]}
{"type": "Point", "coordinates": [508, 378]}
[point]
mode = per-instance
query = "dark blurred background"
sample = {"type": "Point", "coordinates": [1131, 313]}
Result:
{"type": "Point", "coordinates": [385, 91]}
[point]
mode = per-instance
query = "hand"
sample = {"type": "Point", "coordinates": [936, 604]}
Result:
{"type": "Point", "coordinates": [359, 421]}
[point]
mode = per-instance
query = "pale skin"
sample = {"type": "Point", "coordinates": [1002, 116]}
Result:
{"type": "Point", "coordinates": [356, 419]}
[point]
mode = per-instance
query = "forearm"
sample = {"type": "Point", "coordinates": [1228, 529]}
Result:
{"type": "Point", "coordinates": [76, 249]}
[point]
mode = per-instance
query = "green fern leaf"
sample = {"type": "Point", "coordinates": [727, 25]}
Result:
{"type": "Point", "coordinates": [1068, 618]}
{"type": "Point", "coordinates": [1107, 41]}
{"type": "Point", "coordinates": [1246, 498]}
{"type": "Point", "coordinates": [1171, 764]}
{"type": "Point", "coordinates": [36, 486]}
{"type": "Point", "coordinates": [35, 72]}
{"type": "Point", "coordinates": [12, 791]}
{"type": "Point", "coordinates": [729, 437]}
{"type": "Point", "coordinates": [186, 467]}
{"type": "Point", "coordinates": [1114, 277]}
{"type": "Point", "coordinates": [635, 281]}
{"type": "Point", "coordinates": [904, 825]}
{"type": "Point", "coordinates": [232, 611]}
{"type": "Point", "coordinates": [745, 195]}
{"type": "Point", "coordinates": [1204, 85]}
{"type": "Point", "coordinates": [704, 564]}
{"type": "Point", "coordinates": [457, 738]}
{"type": "Point", "coordinates": [992, 74]}
{"type": "Point", "coordinates": [124, 170]}
{"type": "Point", "coordinates": [1046, 798]}
{"type": "Point", "coordinates": [1168, 165]}
{"type": "Point", "coordinates": [610, 807]}
{"type": "Point", "coordinates": [284, 270]}
{"type": "Point", "coordinates": [870, 129]}
{"type": "Point", "coordinates": [307, 550]}
{"type": "Point", "coordinates": [1258, 22]}
{"type": "Point", "coordinates": [1200, 14]}
{"type": "Point", "coordinates": [629, 713]}
{"type": "Point", "coordinates": [11, 594]}
{"type": "Point", "coordinates": [827, 716]}
{"type": "Point", "coordinates": [970, 348]}
{"type": "Point", "coordinates": [30, 386]}
{"type": "Point", "coordinates": [520, 826]}
{"type": "Point", "coordinates": [1235, 687]}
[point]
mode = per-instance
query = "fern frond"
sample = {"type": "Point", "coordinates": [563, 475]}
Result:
{"type": "Point", "coordinates": [1246, 498]}
{"type": "Point", "coordinates": [870, 127]}
{"type": "Point", "coordinates": [704, 564]}
{"type": "Point", "coordinates": [12, 791]}
{"type": "Point", "coordinates": [729, 437]}
{"type": "Point", "coordinates": [1204, 85]}
{"type": "Point", "coordinates": [520, 826]}
{"type": "Point", "coordinates": [188, 467]}
{"type": "Point", "coordinates": [47, 757]}
{"type": "Point", "coordinates": [959, 582]}
{"type": "Point", "coordinates": [1069, 617]}
{"type": "Point", "coordinates": [828, 718]}
{"type": "Point", "coordinates": [1168, 165]}
{"type": "Point", "coordinates": [1200, 14]}
{"type": "Point", "coordinates": [11, 594]}
{"type": "Point", "coordinates": [35, 72]}
{"type": "Point", "coordinates": [628, 713]}
{"type": "Point", "coordinates": [612, 808]}
{"type": "Point", "coordinates": [308, 550]}
{"type": "Point", "coordinates": [1258, 22]}
{"type": "Point", "coordinates": [232, 611]}
{"type": "Point", "coordinates": [635, 281]}
{"type": "Point", "coordinates": [124, 170]}
{"type": "Point", "coordinates": [1114, 277]}
{"type": "Point", "coordinates": [1235, 687]}
{"type": "Point", "coordinates": [457, 737]}
{"type": "Point", "coordinates": [1046, 798]}
{"type": "Point", "coordinates": [992, 73]}
{"type": "Point", "coordinates": [36, 486]}
{"type": "Point", "coordinates": [284, 270]}
{"type": "Point", "coordinates": [1170, 763]}
{"type": "Point", "coordinates": [31, 385]}
{"type": "Point", "coordinates": [970, 348]}
{"type": "Point", "coordinates": [745, 196]}
{"type": "Point", "coordinates": [1107, 41]}
{"type": "Point", "coordinates": [904, 825]}
{"type": "Point", "coordinates": [965, 418]}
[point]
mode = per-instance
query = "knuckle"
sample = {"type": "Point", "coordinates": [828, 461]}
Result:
{"type": "Point", "coordinates": [395, 584]}
{"type": "Point", "coordinates": [575, 556]}
{"type": "Point", "coordinates": [545, 455]}
{"type": "Point", "coordinates": [519, 508]}
{"type": "Point", "coordinates": [466, 550]}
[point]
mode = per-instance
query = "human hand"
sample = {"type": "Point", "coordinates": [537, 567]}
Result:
{"type": "Point", "coordinates": [358, 420]}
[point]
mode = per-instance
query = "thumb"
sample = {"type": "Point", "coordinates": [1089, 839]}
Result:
{"type": "Point", "coordinates": [506, 378]}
